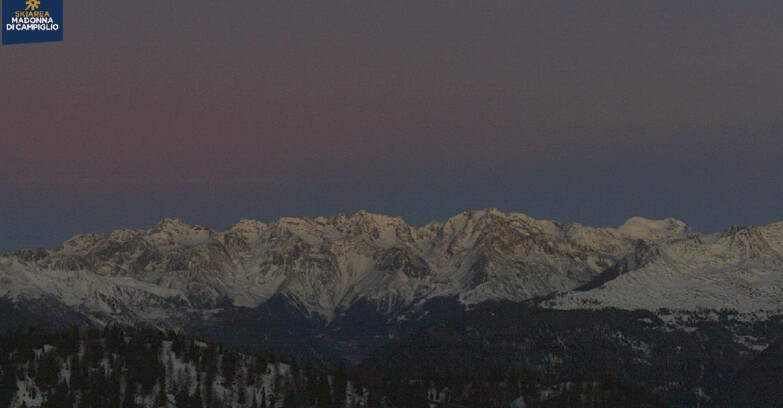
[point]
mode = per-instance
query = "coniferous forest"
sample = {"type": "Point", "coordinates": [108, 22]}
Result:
{"type": "Point", "coordinates": [131, 367]}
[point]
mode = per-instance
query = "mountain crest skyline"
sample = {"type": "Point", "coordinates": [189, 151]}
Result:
{"type": "Point", "coordinates": [634, 223]}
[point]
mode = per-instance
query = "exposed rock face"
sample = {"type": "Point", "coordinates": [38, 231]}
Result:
{"type": "Point", "coordinates": [176, 272]}
{"type": "Point", "coordinates": [739, 269]}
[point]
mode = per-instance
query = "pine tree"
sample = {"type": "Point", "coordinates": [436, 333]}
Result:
{"type": "Point", "coordinates": [161, 400]}
{"type": "Point", "coordinates": [196, 401]}
{"type": "Point", "coordinates": [323, 395]}
{"type": "Point", "coordinates": [262, 403]}
{"type": "Point", "coordinates": [288, 400]}
{"type": "Point", "coordinates": [183, 399]}
{"type": "Point", "coordinates": [7, 384]}
{"type": "Point", "coordinates": [229, 366]}
{"type": "Point", "coordinates": [241, 397]}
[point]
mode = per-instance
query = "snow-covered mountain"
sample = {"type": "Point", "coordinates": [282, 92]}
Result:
{"type": "Point", "coordinates": [327, 268]}
{"type": "Point", "coordinates": [325, 265]}
{"type": "Point", "coordinates": [739, 269]}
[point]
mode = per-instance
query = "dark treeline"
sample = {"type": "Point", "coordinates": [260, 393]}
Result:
{"type": "Point", "coordinates": [690, 361]}
{"type": "Point", "coordinates": [127, 367]}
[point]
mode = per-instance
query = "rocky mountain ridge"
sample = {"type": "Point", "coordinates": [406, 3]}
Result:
{"type": "Point", "coordinates": [353, 280]}
{"type": "Point", "coordinates": [739, 269]}
{"type": "Point", "coordinates": [324, 264]}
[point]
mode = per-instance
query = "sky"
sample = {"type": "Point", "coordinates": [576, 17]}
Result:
{"type": "Point", "coordinates": [213, 111]}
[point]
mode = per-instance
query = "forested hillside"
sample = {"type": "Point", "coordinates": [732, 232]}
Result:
{"type": "Point", "coordinates": [123, 367]}
{"type": "Point", "coordinates": [688, 359]}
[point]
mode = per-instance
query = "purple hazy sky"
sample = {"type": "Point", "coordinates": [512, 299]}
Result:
{"type": "Point", "coordinates": [213, 111]}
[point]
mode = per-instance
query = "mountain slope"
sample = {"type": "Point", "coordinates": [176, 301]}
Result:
{"type": "Point", "coordinates": [325, 265]}
{"type": "Point", "coordinates": [759, 383]}
{"type": "Point", "coordinates": [143, 368]}
{"type": "Point", "coordinates": [739, 269]}
{"type": "Point", "coordinates": [685, 367]}
{"type": "Point", "coordinates": [347, 283]}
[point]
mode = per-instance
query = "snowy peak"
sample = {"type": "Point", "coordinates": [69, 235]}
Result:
{"type": "Point", "coordinates": [647, 229]}
{"type": "Point", "coordinates": [177, 227]}
{"type": "Point", "coordinates": [360, 227]}
{"type": "Point", "coordinates": [82, 243]}
{"type": "Point", "coordinates": [247, 226]}
{"type": "Point", "coordinates": [755, 242]}
{"type": "Point", "coordinates": [329, 263]}
{"type": "Point", "coordinates": [362, 222]}
{"type": "Point", "coordinates": [246, 229]}
{"type": "Point", "coordinates": [739, 269]}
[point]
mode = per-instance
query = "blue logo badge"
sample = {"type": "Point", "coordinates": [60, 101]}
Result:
{"type": "Point", "coordinates": [32, 21]}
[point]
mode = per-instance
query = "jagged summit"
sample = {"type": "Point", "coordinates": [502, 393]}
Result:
{"type": "Point", "coordinates": [173, 271]}
{"type": "Point", "coordinates": [169, 222]}
{"type": "Point", "coordinates": [174, 224]}
{"type": "Point", "coordinates": [81, 242]}
{"type": "Point", "coordinates": [246, 225]}
{"type": "Point", "coordinates": [738, 269]}
{"type": "Point", "coordinates": [635, 227]}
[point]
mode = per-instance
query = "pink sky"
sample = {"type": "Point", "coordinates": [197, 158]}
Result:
{"type": "Point", "coordinates": [561, 111]}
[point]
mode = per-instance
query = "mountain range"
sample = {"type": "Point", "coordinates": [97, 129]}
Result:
{"type": "Point", "coordinates": [351, 281]}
